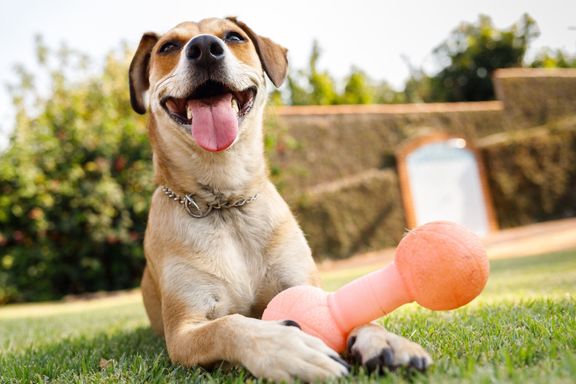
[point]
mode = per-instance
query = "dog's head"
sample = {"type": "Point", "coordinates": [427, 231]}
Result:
{"type": "Point", "coordinates": [205, 78]}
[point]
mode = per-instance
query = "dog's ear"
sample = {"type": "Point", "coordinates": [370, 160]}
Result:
{"type": "Point", "coordinates": [273, 56]}
{"type": "Point", "coordinates": [140, 70]}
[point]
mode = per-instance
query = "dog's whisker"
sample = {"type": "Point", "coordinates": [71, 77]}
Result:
{"type": "Point", "coordinates": [164, 82]}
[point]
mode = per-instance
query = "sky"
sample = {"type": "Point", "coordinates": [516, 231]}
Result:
{"type": "Point", "coordinates": [376, 36]}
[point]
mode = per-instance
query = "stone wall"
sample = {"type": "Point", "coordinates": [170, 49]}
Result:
{"type": "Point", "coordinates": [339, 141]}
{"type": "Point", "coordinates": [532, 97]}
{"type": "Point", "coordinates": [336, 165]}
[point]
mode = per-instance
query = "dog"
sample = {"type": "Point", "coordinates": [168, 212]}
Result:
{"type": "Point", "coordinates": [220, 241]}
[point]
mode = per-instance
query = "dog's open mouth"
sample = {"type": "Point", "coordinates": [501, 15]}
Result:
{"type": "Point", "coordinates": [211, 113]}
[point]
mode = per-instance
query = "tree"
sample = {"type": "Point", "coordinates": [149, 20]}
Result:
{"type": "Point", "coordinates": [384, 93]}
{"type": "Point", "coordinates": [312, 86]}
{"type": "Point", "coordinates": [357, 89]}
{"type": "Point", "coordinates": [469, 57]}
{"type": "Point", "coordinates": [549, 58]}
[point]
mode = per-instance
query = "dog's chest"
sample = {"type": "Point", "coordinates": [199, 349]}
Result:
{"type": "Point", "coordinates": [232, 251]}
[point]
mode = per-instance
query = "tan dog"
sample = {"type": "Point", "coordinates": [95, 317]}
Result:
{"type": "Point", "coordinates": [220, 241]}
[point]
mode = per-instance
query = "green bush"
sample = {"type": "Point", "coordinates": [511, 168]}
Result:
{"type": "Point", "coordinates": [75, 182]}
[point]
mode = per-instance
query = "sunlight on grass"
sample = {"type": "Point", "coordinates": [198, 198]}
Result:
{"type": "Point", "coordinates": [60, 308]}
{"type": "Point", "coordinates": [522, 328]}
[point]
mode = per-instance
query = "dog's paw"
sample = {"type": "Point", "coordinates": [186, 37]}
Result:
{"type": "Point", "coordinates": [379, 350]}
{"type": "Point", "coordinates": [284, 353]}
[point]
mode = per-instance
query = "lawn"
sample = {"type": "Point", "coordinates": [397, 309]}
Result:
{"type": "Point", "coordinates": [522, 329]}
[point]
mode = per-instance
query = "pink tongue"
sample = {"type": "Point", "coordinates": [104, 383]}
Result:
{"type": "Point", "coordinates": [214, 122]}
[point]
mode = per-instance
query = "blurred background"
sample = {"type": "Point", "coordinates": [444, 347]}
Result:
{"type": "Point", "coordinates": [368, 87]}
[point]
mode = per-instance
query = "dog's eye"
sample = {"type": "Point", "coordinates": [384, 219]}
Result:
{"type": "Point", "coordinates": [169, 47]}
{"type": "Point", "coordinates": [233, 37]}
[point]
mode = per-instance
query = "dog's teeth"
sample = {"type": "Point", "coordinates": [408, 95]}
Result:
{"type": "Point", "coordinates": [189, 112]}
{"type": "Point", "coordinates": [235, 105]}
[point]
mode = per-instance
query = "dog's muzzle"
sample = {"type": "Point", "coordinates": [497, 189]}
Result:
{"type": "Point", "coordinates": [212, 111]}
{"type": "Point", "coordinates": [211, 114]}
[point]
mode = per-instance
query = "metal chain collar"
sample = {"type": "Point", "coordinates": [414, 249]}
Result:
{"type": "Point", "coordinates": [194, 210]}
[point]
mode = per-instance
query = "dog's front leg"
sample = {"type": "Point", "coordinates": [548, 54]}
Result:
{"type": "Point", "coordinates": [268, 349]}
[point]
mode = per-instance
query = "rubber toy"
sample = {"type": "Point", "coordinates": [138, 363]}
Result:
{"type": "Point", "coordinates": [440, 265]}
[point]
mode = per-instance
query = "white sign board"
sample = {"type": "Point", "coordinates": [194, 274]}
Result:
{"type": "Point", "coordinates": [445, 184]}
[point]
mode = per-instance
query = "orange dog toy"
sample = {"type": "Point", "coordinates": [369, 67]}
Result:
{"type": "Point", "coordinates": [440, 265]}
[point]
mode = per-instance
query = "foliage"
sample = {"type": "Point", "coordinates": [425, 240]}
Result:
{"type": "Point", "coordinates": [554, 58]}
{"type": "Point", "coordinates": [357, 89]}
{"type": "Point", "coordinates": [318, 87]}
{"type": "Point", "coordinates": [469, 56]}
{"type": "Point", "coordinates": [75, 182]}
{"type": "Point", "coordinates": [312, 86]}
{"type": "Point", "coordinates": [384, 93]}
{"type": "Point", "coordinates": [466, 61]}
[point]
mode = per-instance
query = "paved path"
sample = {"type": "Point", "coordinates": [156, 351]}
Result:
{"type": "Point", "coordinates": [533, 239]}
{"type": "Point", "coordinates": [530, 240]}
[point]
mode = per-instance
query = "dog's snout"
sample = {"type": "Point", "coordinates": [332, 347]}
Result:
{"type": "Point", "coordinates": [205, 50]}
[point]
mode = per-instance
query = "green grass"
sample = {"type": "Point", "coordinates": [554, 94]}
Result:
{"type": "Point", "coordinates": [522, 329]}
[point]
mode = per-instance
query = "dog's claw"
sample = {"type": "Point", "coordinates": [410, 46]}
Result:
{"type": "Point", "coordinates": [341, 361]}
{"type": "Point", "coordinates": [387, 357]}
{"type": "Point", "coordinates": [351, 342]}
{"type": "Point", "coordinates": [379, 351]}
{"type": "Point", "coordinates": [291, 323]}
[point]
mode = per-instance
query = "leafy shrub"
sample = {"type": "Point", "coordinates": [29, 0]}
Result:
{"type": "Point", "coordinates": [75, 182]}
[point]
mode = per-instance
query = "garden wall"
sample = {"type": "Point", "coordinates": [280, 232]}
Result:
{"type": "Point", "coordinates": [532, 97]}
{"type": "Point", "coordinates": [336, 164]}
{"type": "Point", "coordinates": [532, 173]}
{"type": "Point", "coordinates": [333, 142]}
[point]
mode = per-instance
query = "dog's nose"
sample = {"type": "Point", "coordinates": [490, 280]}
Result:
{"type": "Point", "coordinates": [205, 50]}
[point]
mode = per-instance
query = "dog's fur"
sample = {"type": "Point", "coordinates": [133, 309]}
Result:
{"type": "Point", "coordinates": [208, 280]}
